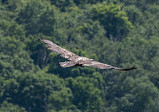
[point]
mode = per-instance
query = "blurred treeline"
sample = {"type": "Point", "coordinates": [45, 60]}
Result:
{"type": "Point", "coordinates": [117, 32]}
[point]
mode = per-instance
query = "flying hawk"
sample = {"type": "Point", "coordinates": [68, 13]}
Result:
{"type": "Point", "coordinates": [75, 60]}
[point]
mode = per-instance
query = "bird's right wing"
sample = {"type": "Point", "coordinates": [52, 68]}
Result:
{"type": "Point", "coordinates": [57, 49]}
{"type": "Point", "coordinates": [100, 65]}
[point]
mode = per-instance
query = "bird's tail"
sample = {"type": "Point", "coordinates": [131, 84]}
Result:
{"type": "Point", "coordinates": [67, 64]}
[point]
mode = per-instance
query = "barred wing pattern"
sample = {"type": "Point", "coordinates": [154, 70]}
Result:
{"type": "Point", "coordinates": [75, 60]}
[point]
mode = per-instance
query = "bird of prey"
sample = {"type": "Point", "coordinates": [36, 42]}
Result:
{"type": "Point", "coordinates": [75, 60]}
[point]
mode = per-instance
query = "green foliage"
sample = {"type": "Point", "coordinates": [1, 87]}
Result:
{"type": "Point", "coordinates": [9, 107]}
{"type": "Point", "coordinates": [117, 32]}
{"type": "Point", "coordinates": [87, 96]}
{"type": "Point", "coordinates": [62, 4]}
{"type": "Point", "coordinates": [134, 14]}
{"type": "Point", "coordinates": [113, 19]}
{"type": "Point", "coordinates": [13, 5]}
{"type": "Point", "coordinates": [14, 57]}
{"type": "Point", "coordinates": [36, 90]}
{"type": "Point", "coordinates": [12, 29]}
{"type": "Point", "coordinates": [30, 15]}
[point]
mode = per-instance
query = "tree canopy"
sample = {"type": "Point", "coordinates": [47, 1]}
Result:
{"type": "Point", "coordinates": [117, 32]}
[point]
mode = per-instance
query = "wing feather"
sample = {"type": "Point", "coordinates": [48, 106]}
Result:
{"type": "Point", "coordinates": [67, 64]}
{"type": "Point", "coordinates": [98, 65]}
{"type": "Point", "coordinates": [57, 49]}
{"type": "Point", "coordinates": [106, 66]}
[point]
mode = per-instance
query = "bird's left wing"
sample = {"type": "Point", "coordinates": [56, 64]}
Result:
{"type": "Point", "coordinates": [59, 50]}
{"type": "Point", "coordinates": [100, 65]}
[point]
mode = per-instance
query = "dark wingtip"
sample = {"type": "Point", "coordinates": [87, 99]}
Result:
{"type": "Point", "coordinates": [134, 67]}
{"type": "Point", "coordinates": [127, 69]}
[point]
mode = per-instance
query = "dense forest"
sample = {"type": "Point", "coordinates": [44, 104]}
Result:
{"type": "Point", "coordinates": [121, 33]}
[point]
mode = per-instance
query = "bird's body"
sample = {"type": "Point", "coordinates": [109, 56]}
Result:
{"type": "Point", "coordinates": [75, 60]}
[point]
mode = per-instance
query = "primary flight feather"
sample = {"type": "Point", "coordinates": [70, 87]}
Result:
{"type": "Point", "coordinates": [75, 60]}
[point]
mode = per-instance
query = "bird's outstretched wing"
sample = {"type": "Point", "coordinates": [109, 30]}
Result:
{"type": "Point", "coordinates": [75, 60]}
{"type": "Point", "coordinates": [57, 49]}
{"type": "Point", "coordinates": [106, 66]}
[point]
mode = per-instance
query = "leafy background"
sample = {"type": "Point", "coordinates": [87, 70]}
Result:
{"type": "Point", "coordinates": [117, 32]}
